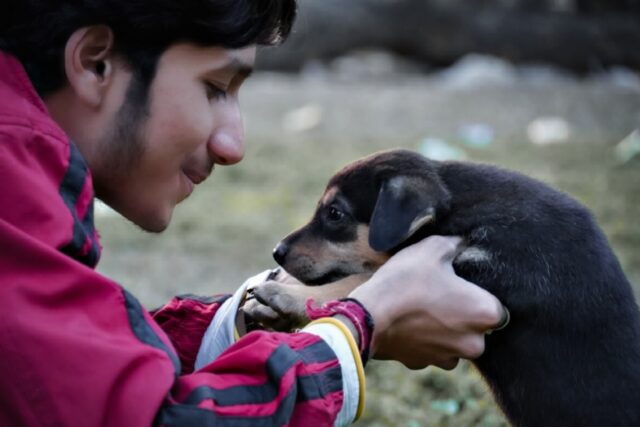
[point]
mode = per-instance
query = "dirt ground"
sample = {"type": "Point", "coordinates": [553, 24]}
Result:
{"type": "Point", "coordinates": [301, 128]}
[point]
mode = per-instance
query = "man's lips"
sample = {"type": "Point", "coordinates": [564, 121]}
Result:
{"type": "Point", "coordinates": [197, 176]}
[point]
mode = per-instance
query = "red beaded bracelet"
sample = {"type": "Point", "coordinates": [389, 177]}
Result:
{"type": "Point", "coordinates": [353, 310]}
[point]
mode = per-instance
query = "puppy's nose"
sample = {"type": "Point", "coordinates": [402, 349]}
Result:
{"type": "Point", "coordinates": [280, 253]}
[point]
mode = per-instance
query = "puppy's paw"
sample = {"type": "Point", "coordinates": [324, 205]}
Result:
{"type": "Point", "coordinates": [278, 306]}
{"type": "Point", "coordinates": [265, 317]}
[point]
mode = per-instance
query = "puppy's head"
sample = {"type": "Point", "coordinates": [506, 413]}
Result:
{"type": "Point", "coordinates": [368, 210]}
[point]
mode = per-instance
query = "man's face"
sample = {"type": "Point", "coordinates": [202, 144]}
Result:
{"type": "Point", "coordinates": [155, 153]}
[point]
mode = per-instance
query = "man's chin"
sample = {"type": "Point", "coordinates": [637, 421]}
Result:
{"type": "Point", "coordinates": [153, 227]}
{"type": "Point", "coordinates": [153, 221]}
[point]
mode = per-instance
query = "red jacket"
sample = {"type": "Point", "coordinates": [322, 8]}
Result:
{"type": "Point", "coordinates": [76, 349]}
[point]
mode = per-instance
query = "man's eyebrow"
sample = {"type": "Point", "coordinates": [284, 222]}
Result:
{"type": "Point", "coordinates": [242, 69]}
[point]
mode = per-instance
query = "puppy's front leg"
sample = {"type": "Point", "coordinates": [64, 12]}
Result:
{"type": "Point", "coordinates": [280, 304]}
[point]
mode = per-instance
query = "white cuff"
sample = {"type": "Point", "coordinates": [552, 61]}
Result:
{"type": "Point", "coordinates": [335, 338]}
{"type": "Point", "coordinates": [220, 333]}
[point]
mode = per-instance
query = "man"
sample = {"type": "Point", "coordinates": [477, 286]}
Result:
{"type": "Point", "coordinates": [138, 101]}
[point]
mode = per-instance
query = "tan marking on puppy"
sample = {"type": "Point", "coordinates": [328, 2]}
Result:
{"type": "Point", "coordinates": [358, 249]}
{"type": "Point", "coordinates": [311, 257]}
{"type": "Point", "coordinates": [307, 247]}
{"type": "Point", "coordinates": [314, 257]}
{"type": "Point", "coordinates": [328, 196]}
{"type": "Point", "coordinates": [364, 252]}
{"type": "Point", "coordinates": [358, 253]}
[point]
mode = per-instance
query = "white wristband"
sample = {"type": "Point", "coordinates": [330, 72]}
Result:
{"type": "Point", "coordinates": [220, 333]}
{"type": "Point", "coordinates": [335, 338]}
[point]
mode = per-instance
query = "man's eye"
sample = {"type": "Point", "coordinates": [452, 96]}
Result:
{"type": "Point", "coordinates": [214, 92]}
{"type": "Point", "coordinates": [335, 214]}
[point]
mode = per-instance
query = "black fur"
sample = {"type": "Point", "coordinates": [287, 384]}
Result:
{"type": "Point", "coordinates": [571, 354]}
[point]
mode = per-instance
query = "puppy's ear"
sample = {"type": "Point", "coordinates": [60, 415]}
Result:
{"type": "Point", "coordinates": [404, 205]}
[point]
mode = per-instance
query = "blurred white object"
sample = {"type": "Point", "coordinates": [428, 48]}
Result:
{"type": "Point", "coordinates": [371, 64]}
{"type": "Point", "coordinates": [621, 77]}
{"type": "Point", "coordinates": [549, 130]}
{"type": "Point", "coordinates": [439, 149]}
{"type": "Point", "coordinates": [365, 64]}
{"type": "Point", "coordinates": [479, 70]}
{"type": "Point", "coordinates": [220, 333]}
{"type": "Point", "coordinates": [628, 148]}
{"type": "Point", "coordinates": [302, 119]}
{"type": "Point", "coordinates": [476, 135]}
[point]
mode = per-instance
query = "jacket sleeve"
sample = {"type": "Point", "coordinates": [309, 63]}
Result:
{"type": "Point", "coordinates": [78, 350]}
{"type": "Point", "coordinates": [210, 322]}
{"type": "Point", "coordinates": [185, 319]}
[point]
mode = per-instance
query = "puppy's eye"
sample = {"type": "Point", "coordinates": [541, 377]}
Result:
{"type": "Point", "coordinates": [335, 214]}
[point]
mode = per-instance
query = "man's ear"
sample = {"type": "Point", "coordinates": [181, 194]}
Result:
{"type": "Point", "coordinates": [88, 63]}
{"type": "Point", "coordinates": [404, 205]}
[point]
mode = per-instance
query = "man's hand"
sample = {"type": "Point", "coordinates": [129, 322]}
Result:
{"type": "Point", "coordinates": [424, 313]}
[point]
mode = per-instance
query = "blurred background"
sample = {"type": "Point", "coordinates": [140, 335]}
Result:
{"type": "Point", "coordinates": [546, 87]}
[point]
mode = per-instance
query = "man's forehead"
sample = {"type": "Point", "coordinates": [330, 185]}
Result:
{"type": "Point", "coordinates": [235, 62]}
{"type": "Point", "coordinates": [244, 57]}
{"type": "Point", "coordinates": [213, 57]}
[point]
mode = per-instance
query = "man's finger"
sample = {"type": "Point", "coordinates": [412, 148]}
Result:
{"type": "Point", "coordinates": [451, 247]}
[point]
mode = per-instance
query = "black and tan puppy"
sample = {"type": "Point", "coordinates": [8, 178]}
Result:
{"type": "Point", "coordinates": [571, 354]}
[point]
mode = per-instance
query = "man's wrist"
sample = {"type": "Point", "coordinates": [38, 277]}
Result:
{"type": "Point", "coordinates": [359, 319]}
{"type": "Point", "coordinates": [352, 328]}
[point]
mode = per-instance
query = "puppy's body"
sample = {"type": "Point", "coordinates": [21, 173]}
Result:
{"type": "Point", "coordinates": [571, 354]}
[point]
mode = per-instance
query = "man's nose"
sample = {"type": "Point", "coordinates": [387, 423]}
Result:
{"type": "Point", "coordinates": [226, 145]}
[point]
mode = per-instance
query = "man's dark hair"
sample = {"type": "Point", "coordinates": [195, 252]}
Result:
{"type": "Point", "coordinates": [36, 31]}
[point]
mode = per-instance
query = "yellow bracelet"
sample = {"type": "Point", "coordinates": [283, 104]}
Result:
{"type": "Point", "coordinates": [236, 333]}
{"type": "Point", "coordinates": [356, 356]}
